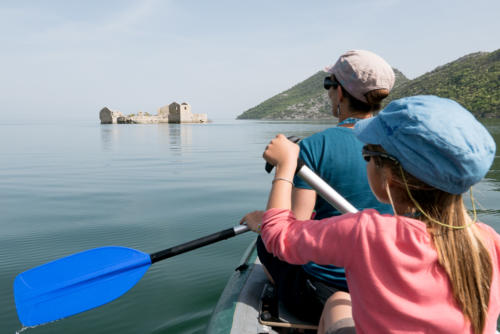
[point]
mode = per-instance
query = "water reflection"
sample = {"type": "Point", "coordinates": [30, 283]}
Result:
{"type": "Point", "coordinates": [109, 135]}
{"type": "Point", "coordinates": [177, 137]}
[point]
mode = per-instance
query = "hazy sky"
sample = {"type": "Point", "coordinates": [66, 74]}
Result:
{"type": "Point", "coordinates": [68, 59]}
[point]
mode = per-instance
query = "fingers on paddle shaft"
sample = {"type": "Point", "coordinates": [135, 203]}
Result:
{"type": "Point", "coordinates": [270, 167]}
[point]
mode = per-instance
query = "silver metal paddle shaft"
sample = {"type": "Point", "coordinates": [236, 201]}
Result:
{"type": "Point", "coordinates": [240, 229]}
{"type": "Point", "coordinates": [325, 190]}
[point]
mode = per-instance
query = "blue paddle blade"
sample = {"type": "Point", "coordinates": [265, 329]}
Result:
{"type": "Point", "coordinates": [77, 283]}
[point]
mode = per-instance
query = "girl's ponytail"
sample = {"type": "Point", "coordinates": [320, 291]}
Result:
{"type": "Point", "coordinates": [464, 257]}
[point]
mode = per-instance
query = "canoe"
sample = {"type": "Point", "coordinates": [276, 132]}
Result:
{"type": "Point", "coordinates": [239, 309]}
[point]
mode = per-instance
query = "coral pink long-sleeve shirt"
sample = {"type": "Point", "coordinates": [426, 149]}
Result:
{"type": "Point", "coordinates": [395, 280]}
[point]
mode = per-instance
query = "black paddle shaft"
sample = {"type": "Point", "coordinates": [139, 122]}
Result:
{"type": "Point", "coordinates": [203, 241]}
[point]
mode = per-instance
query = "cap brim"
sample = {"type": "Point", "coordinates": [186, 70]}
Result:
{"type": "Point", "coordinates": [370, 131]}
{"type": "Point", "coordinates": [329, 69]}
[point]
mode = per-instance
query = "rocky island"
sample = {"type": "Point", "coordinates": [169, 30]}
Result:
{"type": "Point", "coordinates": [171, 113]}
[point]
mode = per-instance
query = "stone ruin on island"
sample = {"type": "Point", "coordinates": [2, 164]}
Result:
{"type": "Point", "coordinates": [172, 113]}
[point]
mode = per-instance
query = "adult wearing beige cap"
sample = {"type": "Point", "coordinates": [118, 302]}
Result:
{"type": "Point", "coordinates": [356, 85]}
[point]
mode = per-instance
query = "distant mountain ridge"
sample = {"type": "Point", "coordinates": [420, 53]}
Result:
{"type": "Point", "coordinates": [472, 80]}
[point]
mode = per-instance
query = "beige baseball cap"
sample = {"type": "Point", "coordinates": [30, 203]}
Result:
{"type": "Point", "coordinates": [361, 71]}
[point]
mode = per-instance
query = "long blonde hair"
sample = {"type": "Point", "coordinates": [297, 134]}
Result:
{"type": "Point", "coordinates": [458, 243]}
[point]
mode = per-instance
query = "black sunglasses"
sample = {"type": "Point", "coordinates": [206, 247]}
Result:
{"type": "Point", "coordinates": [367, 154]}
{"type": "Point", "coordinates": [329, 83]}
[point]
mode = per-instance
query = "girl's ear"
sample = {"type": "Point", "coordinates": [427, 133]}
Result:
{"type": "Point", "coordinates": [387, 176]}
{"type": "Point", "coordinates": [388, 186]}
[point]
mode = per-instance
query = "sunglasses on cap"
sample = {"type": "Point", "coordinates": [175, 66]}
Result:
{"type": "Point", "coordinates": [329, 83]}
{"type": "Point", "coordinates": [367, 154]}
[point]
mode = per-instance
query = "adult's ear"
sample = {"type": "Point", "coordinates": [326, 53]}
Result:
{"type": "Point", "coordinates": [339, 93]}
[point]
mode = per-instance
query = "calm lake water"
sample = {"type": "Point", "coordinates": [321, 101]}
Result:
{"type": "Point", "coordinates": [66, 188]}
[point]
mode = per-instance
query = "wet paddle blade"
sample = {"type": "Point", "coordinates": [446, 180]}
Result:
{"type": "Point", "coordinates": [77, 283]}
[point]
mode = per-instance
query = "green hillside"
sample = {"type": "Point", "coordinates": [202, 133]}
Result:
{"type": "Point", "coordinates": [306, 100]}
{"type": "Point", "coordinates": [473, 80]}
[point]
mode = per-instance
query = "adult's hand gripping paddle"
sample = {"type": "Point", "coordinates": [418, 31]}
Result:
{"type": "Point", "coordinates": [92, 278]}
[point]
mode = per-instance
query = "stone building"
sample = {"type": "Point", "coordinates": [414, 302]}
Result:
{"type": "Point", "coordinates": [109, 116]}
{"type": "Point", "coordinates": [181, 113]}
{"type": "Point", "coordinates": [164, 111]}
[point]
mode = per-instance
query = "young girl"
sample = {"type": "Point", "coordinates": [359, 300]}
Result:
{"type": "Point", "coordinates": [356, 84]}
{"type": "Point", "coordinates": [430, 267]}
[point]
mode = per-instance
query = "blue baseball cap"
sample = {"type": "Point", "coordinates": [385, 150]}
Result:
{"type": "Point", "coordinates": [435, 139]}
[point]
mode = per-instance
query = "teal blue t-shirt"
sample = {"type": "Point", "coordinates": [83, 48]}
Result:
{"type": "Point", "coordinates": [335, 155]}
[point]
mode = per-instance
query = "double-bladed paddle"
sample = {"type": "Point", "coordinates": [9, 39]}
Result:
{"type": "Point", "coordinates": [92, 278]}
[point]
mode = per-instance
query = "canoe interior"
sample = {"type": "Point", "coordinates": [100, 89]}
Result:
{"type": "Point", "coordinates": [237, 311]}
